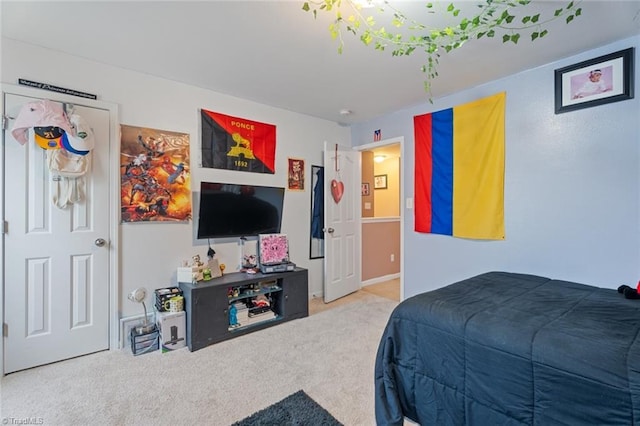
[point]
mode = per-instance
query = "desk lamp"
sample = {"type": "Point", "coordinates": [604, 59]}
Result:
{"type": "Point", "coordinates": [138, 295]}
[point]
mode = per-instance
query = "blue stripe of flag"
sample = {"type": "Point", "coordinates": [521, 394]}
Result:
{"type": "Point", "coordinates": [442, 180]}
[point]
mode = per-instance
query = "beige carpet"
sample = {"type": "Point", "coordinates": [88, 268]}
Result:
{"type": "Point", "coordinates": [330, 355]}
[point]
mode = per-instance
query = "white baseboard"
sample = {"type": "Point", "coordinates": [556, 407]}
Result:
{"type": "Point", "coordinates": [381, 279]}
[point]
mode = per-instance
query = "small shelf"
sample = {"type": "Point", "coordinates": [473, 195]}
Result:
{"type": "Point", "coordinates": [253, 324]}
{"type": "Point", "coordinates": [264, 290]}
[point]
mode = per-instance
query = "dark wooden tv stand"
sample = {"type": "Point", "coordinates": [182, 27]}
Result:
{"type": "Point", "coordinates": [207, 303]}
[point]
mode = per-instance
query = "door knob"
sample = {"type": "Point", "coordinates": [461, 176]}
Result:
{"type": "Point", "coordinates": [330, 230]}
{"type": "Point", "coordinates": [100, 242]}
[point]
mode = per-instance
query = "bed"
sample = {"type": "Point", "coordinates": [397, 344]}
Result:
{"type": "Point", "coordinates": [511, 349]}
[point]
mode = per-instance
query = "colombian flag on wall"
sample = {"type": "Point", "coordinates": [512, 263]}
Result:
{"type": "Point", "coordinates": [459, 177]}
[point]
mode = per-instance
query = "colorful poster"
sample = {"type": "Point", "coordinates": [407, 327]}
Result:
{"type": "Point", "coordinates": [155, 182]}
{"type": "Point", "coordinates": [273, 249]}
{"type": "Point", "coordinates": [459, 177]}
{"type": "Point", "coordinates": [234, 143]}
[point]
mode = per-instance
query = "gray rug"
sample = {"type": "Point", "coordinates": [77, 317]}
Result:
{"type": "Point", "coordinates": [297, 409]}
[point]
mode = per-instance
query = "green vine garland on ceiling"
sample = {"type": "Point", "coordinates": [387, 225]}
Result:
{"type": "Point", "coordinates": [494, 18]}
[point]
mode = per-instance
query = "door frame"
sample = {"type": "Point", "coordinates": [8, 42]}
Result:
{"type": "Point", "coordinates": [385, 142]}
{"type": "Point", "coordinates": [114, 199]}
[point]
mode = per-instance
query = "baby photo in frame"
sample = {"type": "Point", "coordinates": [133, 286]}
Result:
{"type": "Point", "coordinates": [597, 81]}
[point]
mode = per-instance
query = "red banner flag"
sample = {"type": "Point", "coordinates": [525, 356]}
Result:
{"type": "Point", "coordinates": [234, 143]}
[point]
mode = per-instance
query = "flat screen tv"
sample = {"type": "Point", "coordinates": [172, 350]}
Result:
{"type": "Point", "coordinates": [231, 210]}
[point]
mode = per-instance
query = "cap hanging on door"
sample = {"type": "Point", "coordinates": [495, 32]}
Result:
{"type": "Point", "coordinates": [40, 113]}
{"type": "Point", "coordinates": [49, 137]}
{"type": "Point", "coordinates": [81, 141]}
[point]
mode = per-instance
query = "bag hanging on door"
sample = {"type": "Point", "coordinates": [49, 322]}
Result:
{"type": "Point", "coordinates": [67, 172]}
{"type": "Point", "coordinates": [68, 160]}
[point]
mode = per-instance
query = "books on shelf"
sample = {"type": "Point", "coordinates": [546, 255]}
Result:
{"type": "Point", "coordinates": [258, 318]}
{"type": "Point", "coordinates": [247, 316]}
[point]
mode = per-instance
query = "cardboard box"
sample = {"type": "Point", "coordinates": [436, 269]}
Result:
{"type": "Point", "coordinates": [172, 328]}
{"type": "Point", "coordinates": [187, 274]}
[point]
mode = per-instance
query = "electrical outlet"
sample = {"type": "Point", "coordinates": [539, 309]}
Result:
{"type": "Point", "coordinates": [409, 203]}
{"type": "Point", "coordinates": [392, 257]}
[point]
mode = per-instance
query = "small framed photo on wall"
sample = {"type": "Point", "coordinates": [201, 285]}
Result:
{"type": "Point", "coordinates": [380, 182]}
{"type": "Point", "coordinates": [296, 174]}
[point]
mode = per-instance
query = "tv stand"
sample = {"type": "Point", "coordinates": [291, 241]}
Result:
{"type": "Point", "coordinates": [208, 303]}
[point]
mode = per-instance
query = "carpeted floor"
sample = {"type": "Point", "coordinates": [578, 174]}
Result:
{"type": "Point", "coordinates": [330, 355]}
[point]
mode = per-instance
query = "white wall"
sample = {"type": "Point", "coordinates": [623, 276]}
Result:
{"type": "Point", "coordinates": [571, 187]}
{"type": "Point", "coordinates": [150, 252]}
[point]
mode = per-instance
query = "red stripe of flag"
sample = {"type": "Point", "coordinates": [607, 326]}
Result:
{"type": "Point", "coordinates": [424, 172]}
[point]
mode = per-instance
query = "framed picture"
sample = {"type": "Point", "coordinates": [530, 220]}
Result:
{"type": "Point", "coordinates": [364, 188]}
{"type": "Point", "coordinates": [380, 182]}
{"type": "Point", "coordinates": [296, 174]}
{"type": "Point", "coordinates": [598, 81]}
{"type": "Point", "coordinates": [273, 249]}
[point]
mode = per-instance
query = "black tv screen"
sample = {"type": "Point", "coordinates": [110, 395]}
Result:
{"type": "Point", "coordinates": [231, 210]}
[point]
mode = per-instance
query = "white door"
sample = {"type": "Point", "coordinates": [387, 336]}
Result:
{"type": "Point", "coordinates": [56, 283]}
{"type": "Point", "coordinates": [341, 221]}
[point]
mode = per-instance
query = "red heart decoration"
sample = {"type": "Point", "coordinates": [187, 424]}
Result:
{"type": "Point", "coordinates": [337, 189]}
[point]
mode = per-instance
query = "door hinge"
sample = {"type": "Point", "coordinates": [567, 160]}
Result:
{"type": "Point", "coordinates": [5, 226]}
{"type": "Point", "coordinates": [5, 329]}
{"type": "Point", "coordinates": [5, 122]}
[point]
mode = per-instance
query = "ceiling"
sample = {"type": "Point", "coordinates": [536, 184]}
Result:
{"type": "Point", "coordinates": [274, 53]}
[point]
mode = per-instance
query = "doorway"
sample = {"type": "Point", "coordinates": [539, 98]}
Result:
{"type": "Point", "coordinates": [382, 216]}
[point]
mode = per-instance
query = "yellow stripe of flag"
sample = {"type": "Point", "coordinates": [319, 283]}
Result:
{"type": "Point", "coordinates": [478, 168]}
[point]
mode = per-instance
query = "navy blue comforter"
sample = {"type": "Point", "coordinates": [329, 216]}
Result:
{"type": "Point", "coordinates": [511, 349]}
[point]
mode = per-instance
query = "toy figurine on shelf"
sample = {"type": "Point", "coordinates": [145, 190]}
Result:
{"type": "Point", "coordinates": [197, 263]}
{"type": "Point", "coordinates": [197, 267]}
{"type": "Point", "coordinates": [222, 266]}
{"type": "Point", "coordinates": [233, 317]}
{"type": "Point", "coordinates": [249, 261]}
{"type": "Point", "coordinates": [206, 274]}
{"type": "Point", "coordinates": [202, 271]}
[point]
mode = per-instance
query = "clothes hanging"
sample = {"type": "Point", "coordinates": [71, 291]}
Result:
{"type": "Point", "coordinates": [67, 140]}
{"type": "Point", "coordinates": [317, 214]}
{"type": "Point", "coordinates": [41, 113]}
